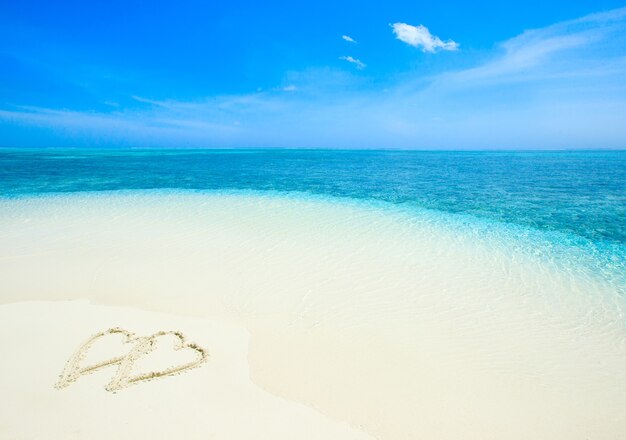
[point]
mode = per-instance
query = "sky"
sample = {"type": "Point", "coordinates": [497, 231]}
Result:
{"type": "Point", "coordinates": [324, 74]}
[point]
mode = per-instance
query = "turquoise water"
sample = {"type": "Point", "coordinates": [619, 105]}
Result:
{"type": "Point", "coordinates": [571, 199]}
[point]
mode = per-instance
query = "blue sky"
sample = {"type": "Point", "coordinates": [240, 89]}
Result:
{"type": "Point", "coordinates": [393, 74]}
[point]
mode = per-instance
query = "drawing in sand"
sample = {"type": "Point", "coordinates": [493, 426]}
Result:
{"type": "Point", "coordinates": [141, 346]}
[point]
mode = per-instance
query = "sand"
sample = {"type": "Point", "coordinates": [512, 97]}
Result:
{"type": "Point", "coordinates": [214, 400]}
{"type": "Point", "coordinates": [321, 319]}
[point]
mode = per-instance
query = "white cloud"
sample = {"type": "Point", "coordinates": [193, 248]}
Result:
{"type": "Point", "coordinates": [290, 88]}
{"type": "Point", "coordinates": [358, 63]}
{"type": "Point", "coordinates": [567, 49]}
{"type": "Point", "coordinates": [420, 37]}
{"type": "Point", "coordinates": [348, 39]}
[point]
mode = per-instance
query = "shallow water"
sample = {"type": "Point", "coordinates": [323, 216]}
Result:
{"type": "Point", "coordinates": [581, 195]}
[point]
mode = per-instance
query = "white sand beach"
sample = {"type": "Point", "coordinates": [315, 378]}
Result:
{"type": "Point", "coordinates": [322, 319]}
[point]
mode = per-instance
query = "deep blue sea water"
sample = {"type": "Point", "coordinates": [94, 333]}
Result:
{"type": "Point", "coordinates": [579, 194]}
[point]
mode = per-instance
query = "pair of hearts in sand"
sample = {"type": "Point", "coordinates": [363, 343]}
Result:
{"type": "Point", "coordinates": [141, 346]}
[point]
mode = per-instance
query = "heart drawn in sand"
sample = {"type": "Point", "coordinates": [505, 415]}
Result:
{"type": "Point", "coordinates": [141, 346]}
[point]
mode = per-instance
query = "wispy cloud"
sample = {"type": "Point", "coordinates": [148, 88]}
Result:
{"type": "Point", "coordinates": [358, 63]}
{"type": "Point", "coordinates": [563, 50]}
{"type": "Point", "coordinates": [158, 126]}
{"type": "Point", "coordinates": [348, 39]}
{"type": "Point", "coordinates": [420, 37]}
